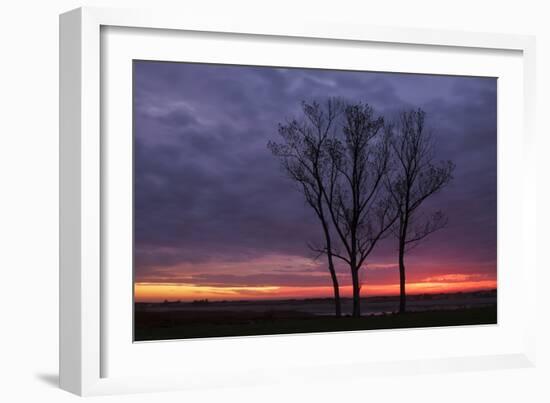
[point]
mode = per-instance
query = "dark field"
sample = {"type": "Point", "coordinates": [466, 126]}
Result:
{"type": "Point", "coordinates": [164, 321]}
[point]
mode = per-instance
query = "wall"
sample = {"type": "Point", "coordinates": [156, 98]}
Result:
{"type": "Point", "coordinates": [29, 210]}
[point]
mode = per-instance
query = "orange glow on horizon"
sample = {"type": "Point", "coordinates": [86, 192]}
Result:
{"type": "Point", "coordinates": [155, 292]}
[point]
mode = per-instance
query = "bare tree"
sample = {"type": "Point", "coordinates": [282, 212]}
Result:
{"type": "Point", "coordinates": [415, 178]}
{"type": "Point", "coordinates": [360, 211]}
{"type": "Point", "coordinates": [303, 155]}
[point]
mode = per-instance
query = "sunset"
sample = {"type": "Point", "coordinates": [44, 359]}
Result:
{"type": "Point", "coordinates": [232, 207]}
{"type": "Point", "coordinates": [157, 292]}
{"type": "Point", "coordinates": [383, 281]}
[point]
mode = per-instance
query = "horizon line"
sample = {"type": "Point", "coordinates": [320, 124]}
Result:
{"type": "Point", "coordinates": [313, 298]}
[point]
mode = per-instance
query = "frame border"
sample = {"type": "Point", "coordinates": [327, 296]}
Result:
{"type": "Point", "coordinates": [80, 307]}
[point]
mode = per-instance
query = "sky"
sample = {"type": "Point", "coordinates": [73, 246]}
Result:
{"type": "Point", "coordinates": [215, 216]}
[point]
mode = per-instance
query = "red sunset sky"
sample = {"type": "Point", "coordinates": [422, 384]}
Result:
{"type": "Point", "coordinates": [216, 218]}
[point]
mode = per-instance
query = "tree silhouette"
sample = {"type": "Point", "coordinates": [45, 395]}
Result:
{"type": "Point", "coordinates": [303, 156]}
{"type": "Point", "coordinates": [415, 177]}
{"type": "Point", "coordinates": [363, 179]}
{"type": "Point", "coordinates": [360, 211]}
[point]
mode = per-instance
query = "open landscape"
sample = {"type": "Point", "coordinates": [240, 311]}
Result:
{"type": "Point", "coordinates": [284, 200]}
{"type": "Point", "coordinates": [201, 318]}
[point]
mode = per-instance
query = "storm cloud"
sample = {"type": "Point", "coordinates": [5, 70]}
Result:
{"type": "Point", "coordinates": [208, 191]}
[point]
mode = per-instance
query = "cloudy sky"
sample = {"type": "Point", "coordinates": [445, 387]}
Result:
{"type": "Point", "coordinates": [215, 216]}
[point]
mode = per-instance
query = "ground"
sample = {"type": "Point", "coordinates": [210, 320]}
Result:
{"type": "Point", "coordinates": [187, 324]}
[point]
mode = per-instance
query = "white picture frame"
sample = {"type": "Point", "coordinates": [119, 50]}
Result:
{"type": "Point", "coordinates": [84, 299]}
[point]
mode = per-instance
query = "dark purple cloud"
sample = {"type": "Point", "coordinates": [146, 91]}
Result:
{"type": "Point", "coordinates": [208, 190]}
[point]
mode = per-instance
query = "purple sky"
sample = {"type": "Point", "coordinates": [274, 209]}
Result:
{"type": "Point", "coordinates": [213, 207]}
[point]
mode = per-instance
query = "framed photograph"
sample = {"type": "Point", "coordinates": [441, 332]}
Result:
{"type": "Point", "coordinates": [237, 196]}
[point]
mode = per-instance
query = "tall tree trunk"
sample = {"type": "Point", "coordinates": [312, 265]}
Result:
{"type": "Point", "coordinates": [337, 304]}
{"type": "Point", "coordinates": [356, 292]}
{"type": "Point", "coordinates": [402, 291]}
{"type": "Point", "coordinates": [335, 286]}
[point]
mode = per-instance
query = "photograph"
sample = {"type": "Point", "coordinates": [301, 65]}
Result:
{"type": "Point", "coordinates": [273, 200]}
